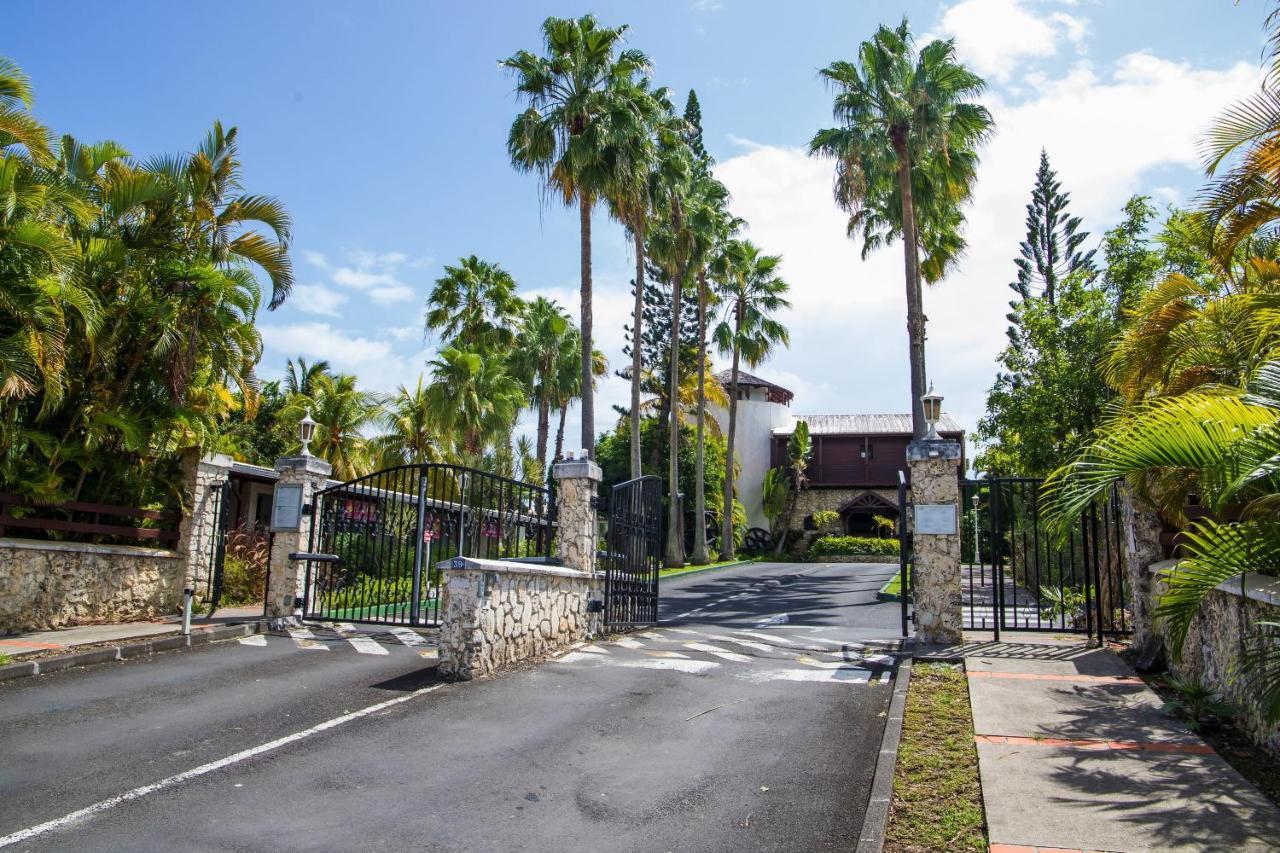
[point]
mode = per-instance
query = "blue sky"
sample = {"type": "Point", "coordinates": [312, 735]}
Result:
{"type": "Point", "coordinates": [383, 125]}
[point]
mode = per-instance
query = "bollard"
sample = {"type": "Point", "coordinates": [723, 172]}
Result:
{"type": "Point", "coordinates": [187, 595]}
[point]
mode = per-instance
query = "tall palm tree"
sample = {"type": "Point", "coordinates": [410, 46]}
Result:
{"type": "Point", "coordinates": [568, 382]}
{"type": "Point", "coordinates": [752, 292]}
{"type": "Point", "coordinates": [301, 378]}
{"type": "Point", "coordinates": [576, 93]}
{"type": "Point", "coordinates": [543, 332]}
{"type": "Point", "coordinates": [474, 305]}
{"type": "Point", "coordinates": [898, 108]}
{"type": "Point", "coordinates": [412, 432]}
{"type": "Point", "coordinates": [342, 412]}
{"type": "Point", "coordinates": [475, 396]}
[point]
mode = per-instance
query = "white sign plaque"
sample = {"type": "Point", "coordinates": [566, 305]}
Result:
{"type": "Point", "coordinates": [286, 506]}
{"type": "Point", "coordinates": [936, 519]}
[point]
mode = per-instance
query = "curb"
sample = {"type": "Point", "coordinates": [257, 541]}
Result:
{"type": "Point", "coordinates": [876, 819]}
{"type": "Point", "coordinates": [198, 637]}
{"type": "Point", "coordinates": [696, 569]}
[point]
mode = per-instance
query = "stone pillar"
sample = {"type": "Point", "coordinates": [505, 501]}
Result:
{"type": "Point", "coordinates": [1141, 528]}
{"type": "Point", "coordinates": [936, 514]}
{"type": "Point", "coordinates": [576, 536]}
{"type": "Point", "coordinates": [202, 477]}
{"type": "Point", "coordinates": [287, 577]}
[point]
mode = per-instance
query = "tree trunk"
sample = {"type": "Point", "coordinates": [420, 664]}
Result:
{"type": "Point", "coordinates": [564, 410]}
{"type": "Point", "coordinates": [726, 517]}
{"type": "Point", "coordinates": [700, 556]}
{"type": "Point", "coordinates": [588, 392]}
{"type": "Point", "coordinates": [636, 361]}
{"type": "Point", "coordinates": [915, 307]}
{"type": "Point", "coordinates": [544, 431]}
{"type": "Point", "coordinates": [675, 545]}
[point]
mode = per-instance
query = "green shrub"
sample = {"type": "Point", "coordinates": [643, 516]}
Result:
{"type": "Point", "coordinates": [853, 546]}
{"type": "Point", "coordinates": [244, 570]}
{"type": "Point", "coordinates": [825, 517]}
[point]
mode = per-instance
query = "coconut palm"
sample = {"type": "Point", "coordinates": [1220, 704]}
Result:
{"type": "Point", "coordinates": [752, 293]}
{"type": "Point", "coordinates": [17, 125]}
{"type": "Point", "coordinates": [342, 413]}
{"type": "Point", "coordinates": [899, 108]}
{"type": "Point", "coordinates": [475, 397]}
{"type": "Point", "coordinates": [577, 93]}
{"type": "Point", "coordinates": [412, 435]}
{"type": "Point", "coordinates": [543, 330]}
{"type": "Point", "coordinates": [474, 306]}
{"type": "Point", "coordinates": [301, 378]}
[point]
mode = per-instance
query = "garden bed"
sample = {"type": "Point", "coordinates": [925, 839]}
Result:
{"type": "Point", "coordinates": [937, 796]}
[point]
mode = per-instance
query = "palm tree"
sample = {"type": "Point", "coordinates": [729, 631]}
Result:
{"type": "Point", "coordinates": [752, 292]}
{"type": "Point", "coordinates": [341, 412]}
{"type": "Point", "coordinates": [568, 381]}
{"type": "Point", "coordinates": [578, 94]}
{"type": "Point", "coordinates": [475, 396]}
{"type": "Point", "coordinates": [301, 379]}
{"type": "Point", "coordinates": [899, 108]}
{"type": "Point", "coordinates": [412, 434]}
{"type": "Point", "coordinates": [17, 125]}
{"type": "Point", "coordinates": [474, 306]}
{"type": "Point", "coordinates": [543, 330]}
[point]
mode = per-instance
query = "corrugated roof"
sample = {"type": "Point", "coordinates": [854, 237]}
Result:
{"type": "Point", "coordinates": [745, 378]}
{"type": "Point", "coordinates": [865, 425]}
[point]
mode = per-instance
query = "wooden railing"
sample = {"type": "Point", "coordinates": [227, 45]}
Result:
{"type": "Point", "coordinates": [69, 518]}
{"type": "Point", "coordinates": [881, 474]}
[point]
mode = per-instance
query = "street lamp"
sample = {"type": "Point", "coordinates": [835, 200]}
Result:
{"type": "Point", "coordinates": [932, 403]}
{"type": "Point", "coordinates": [306, 429]}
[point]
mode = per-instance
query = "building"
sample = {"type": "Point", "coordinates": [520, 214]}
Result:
{"type": "Point", "coordinates": [856, 457]}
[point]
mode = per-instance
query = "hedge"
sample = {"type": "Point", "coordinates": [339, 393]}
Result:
{"type": "Point", "coordinates": [828, 546]}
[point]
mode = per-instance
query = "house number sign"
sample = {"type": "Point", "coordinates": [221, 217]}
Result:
{"type": "Point", "coordinates": [936, 519]}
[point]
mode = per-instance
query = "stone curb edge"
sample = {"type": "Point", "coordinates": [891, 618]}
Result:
{"type": "Point", "coordinates": [876, 818]}
{"type": "Point", "coordinates": [197, 637]}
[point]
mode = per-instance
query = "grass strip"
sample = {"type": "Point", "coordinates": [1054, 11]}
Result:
{"type": "Point", "coordinates": [937, 796]}
{"type": "Point", "coordinates": [892, 589]}
{"type": "Point", "coordinates": [689, 570]}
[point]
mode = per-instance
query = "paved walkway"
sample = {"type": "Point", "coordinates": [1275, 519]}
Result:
{"type": "Point", "coordinates": [61, 639]}
{"type": "Point", "coordinates": [1076, 754]}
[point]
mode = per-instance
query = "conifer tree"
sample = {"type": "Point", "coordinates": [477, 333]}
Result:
{"type": "Point", "coordinates": [1051, 250]}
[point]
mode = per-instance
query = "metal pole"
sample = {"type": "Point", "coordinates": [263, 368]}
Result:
{"type": "Point", "coordinates": [187, 595]}
{"type": "Point", "coordinates": [416, 593]}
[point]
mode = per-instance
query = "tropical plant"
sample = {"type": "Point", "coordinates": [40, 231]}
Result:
{"type": "Point", "coordinates": [907, 122]}
{"type": "Point", "coordinates": [545, 329]}
{"type": "Point", "coordinates": [474, 306]}
{"type": "Point", "coordinates": [752, 293]}
{"type": "Point", "coordinates": [475, 397]}
{"type": "Point", "coordinates": [301, 378]}
{"type": "Point", "coordinates": [853, 546]}
{"type": "Point", "coordinates": [412, 433]}
{"type": "Point", "coordinates": [775, 494]}
{"type": "Point", "coordinates": [583, 103]}
{"type": "Point", "coordinates": [342, 413]}
{"type": "Point", "coordinates": [1195, 703]}
{"type": "Point", "coordinates": [799, 452]}
{"type": "Point", "coordinates": [825, 518]}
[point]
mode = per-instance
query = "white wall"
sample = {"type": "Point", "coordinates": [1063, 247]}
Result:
{"type": "Point", "coordinates": [757, 419]}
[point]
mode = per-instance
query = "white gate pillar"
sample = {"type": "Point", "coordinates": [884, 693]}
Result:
{"type": "Point", "coordinates": [935, 520]}
{"type": "Point", "coordinates": [300, 478]}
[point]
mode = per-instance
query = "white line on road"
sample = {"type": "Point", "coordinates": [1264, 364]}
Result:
{"type": "Point", "coordinates": [694, 666]}
{"type": "Point", "coordinates": [665, 654]}
{"type": "Point", "coordinates": [775, 619]}
{"type": "Point", "coordinates": [412, 639]}
{"type": "Point", "coordinates": [783, 640]}
{"type": "Point", "coordinates": [203, 769]}
{"type": "Point", "coordinates": [627, 643]}
{"type": "Point", "coordinates": [253, 640]}
{"type": "Point", "coordinates": [746, 644]}
{"type": "Point", "coordinates": [847, 675]}
{"type": "Point", "coordinates": [366, 645]}
{"type": "Point", "coordinates": [718, 652]}
{"type": "Point", "coordinates": [307, 640]}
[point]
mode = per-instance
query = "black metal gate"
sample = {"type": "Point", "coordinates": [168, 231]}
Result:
{"type": "Point", "coordinates": [223, 518]}
{"type": "Point", "coordinates": [633, 553]}
{"type": "Point", "coordinates": [390, 530]}
{"type": "Point", "coordinates": [1018, 576]}
{"type": "Point", "coordinates": [904, 557]}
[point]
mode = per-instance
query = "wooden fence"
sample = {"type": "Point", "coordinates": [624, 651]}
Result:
{"type": "Point", "coordinates": [81, 521]}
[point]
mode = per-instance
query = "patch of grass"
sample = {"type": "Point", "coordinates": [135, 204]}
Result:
{"type": "Point", "coordinates": [4, 659]}
{"type": "Point", "coordinates": [892, 588]}
{"type": "Point", "coordinates": [937, 797]}
{"type": "Point", "coordinates": [689, 569]}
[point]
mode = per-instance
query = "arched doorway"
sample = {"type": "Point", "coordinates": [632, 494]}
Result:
{"type": "Point", "coordinates": [859, 516]}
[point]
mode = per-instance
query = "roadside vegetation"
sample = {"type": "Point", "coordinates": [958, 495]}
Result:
{"type": "Point", "coordinates": [937, 796]}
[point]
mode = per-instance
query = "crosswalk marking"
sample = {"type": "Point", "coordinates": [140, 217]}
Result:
{"type": "Point", "coordinates": [253, 640]}
{"type": "Point", "coordinates": [594, 649]}
{"type": "Point", "coordinates": [747, 644]}
{"type": "Point", "coordinates": [718, 652]}
{"type": "Point", "coordinates": [660, 653]}
{"type": "Point", "coordinates": [366, 645]}
{"type": "Point", "coordinates": [845, 674]}
{"type": "Point", "coordinates": [306, 640]}
{"type": "Point", "coordinates": [627, 643]}
{"type": "Point", "coordinates": [685, 631]}
{"type": "Point", "coordinates": [821, 664]}
{"type": "Point", "coordinates": [769, 637]}
{"type": "Point", "coordinates": [690, 666]}
{"type": "Point", "coordinates": [650, 635]}
{"type": "Point", "coordinates": [412, 639]}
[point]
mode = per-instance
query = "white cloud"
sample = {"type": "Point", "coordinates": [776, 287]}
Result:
{"type": "Point", "coordinates": [405, 333]}
{"type": "Point", "coordinates": [375, 362]}
{"type": "Point", "coordinates": [391, 293]}
{"type": "Point", "coordinates": [317, 299]}
{"type": "Point", "coordinates": [848, 333]}
{"type": "Point", "coordinates": [995, 37]}
{"type": "Point", "coordinates": [316, 259]}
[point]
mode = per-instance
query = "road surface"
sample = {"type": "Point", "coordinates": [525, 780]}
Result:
{"type": "Point", "coordinates": [749, 719]}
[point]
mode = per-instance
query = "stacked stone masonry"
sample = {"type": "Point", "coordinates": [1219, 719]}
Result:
{"type": "Point", "coordinates": [935, 575]}
{"type": "Point", "coordinates": [497, 613]}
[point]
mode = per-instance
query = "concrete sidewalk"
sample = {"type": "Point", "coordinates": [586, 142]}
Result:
{"type": "Point", "coordinates": [18, 646]}
{"type": "Point", "coordinates": [1076, 754]}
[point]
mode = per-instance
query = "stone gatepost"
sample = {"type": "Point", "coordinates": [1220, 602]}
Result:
{"type": "Point", "coordinates": [287, 577]}
{"type": "Point", "coordinates": [202, 478]}
{"type": "Point", "coordinates": [935, 572]}
{"type": "Point", "coordinates": [1141, 527]}
{"type": "Point", "coordinates": [577, 533]}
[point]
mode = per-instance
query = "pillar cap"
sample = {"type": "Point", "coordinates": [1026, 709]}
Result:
{"type": "Point", "coordinates": [924, 450]}
{"type": "Point", "coordinates": [309, 464]}
{"type": "Point", "coordinates": [585, 469]}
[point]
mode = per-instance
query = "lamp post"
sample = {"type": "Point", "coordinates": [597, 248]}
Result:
{"type": "Point", "coordinates": [932, 404]}
{"type": "Point", "coordinates": [306, 429]}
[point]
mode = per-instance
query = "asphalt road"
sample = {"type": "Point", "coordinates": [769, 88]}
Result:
{"type": "Point", "coordinates": [748, 720]}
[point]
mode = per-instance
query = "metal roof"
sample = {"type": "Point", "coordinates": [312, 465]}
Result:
{"type": "Point", "coordinates": [264, 473]}
{"type": "Point", "coordinates": [750, 380]}
{"type": "Point", "coordinates": [864, 425]}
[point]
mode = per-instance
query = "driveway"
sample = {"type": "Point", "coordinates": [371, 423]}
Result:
{"type": "Point", "coordinates": [750, 719]}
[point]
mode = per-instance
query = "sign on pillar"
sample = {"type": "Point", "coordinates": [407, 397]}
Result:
{"type": "Point", "coordinates": [301, 477]}
{"type": "Point", "coordinates": [935, 571]}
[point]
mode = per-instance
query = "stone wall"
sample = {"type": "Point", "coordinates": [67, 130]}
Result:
{"type": "Point", "coordinates": [45, 585]}
{"type": "Point", "coordinates": [936, 583]}
{"type": "Point", "coordinates": [809, 501]}
{"type": "Point", "coordinates": [496, 613]}
{"type": "Point", "coordinates": [1215, 639]}
{"type": "Point", "coordinates": [197, 534]}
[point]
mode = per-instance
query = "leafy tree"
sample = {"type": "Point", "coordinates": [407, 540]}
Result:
{"type": "Point", "coordinates": [476, 398]}
{"type": "Point", "coordinates": [582, 103]}
{"type": "Point", "coordinates": [342, 413]}
{"type": "Point", "coordinates": [412, 433]}
{"type": "Point", "coordinates": [301, 378]}
{"type": "Point", "coordinates": [474, 306]}
{"type": "Point", "coordinates": [752, 293]}
{"type": "Point", "coordinates": [1051, 250]}
{"type": "Point", "coordinates": [544, 331]}
{"type": "Point", "coordinates": [799, 452]}
{"type": "Point", "coordinates": [908, 115]}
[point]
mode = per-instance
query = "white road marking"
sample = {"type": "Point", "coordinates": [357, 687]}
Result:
{"type": "Point", "coordinates": [412, 639]}
{"type": "Point", "coordinates": [176, 779]}
{"type": "Point", "coordinates": [650, 635]}
{"type": "Point", "coordinates": [883, 660]}
{"type": "Point", "coordinates": [574, 657]}
{"type": "Point", "coordinates": [821, 664]}
{"type": "Point", "coordinates": [628, 643]}
{"type": "Point", "coordinates": [748, 644]}
{"type": "Point", "coordinates": [775, 619]}
{"type": "Point", "coordinates": [344, 628]}
{"type": "Point", "coordinates": [253, 640]}
{"type": "Point", "coordinates": [666, 654]}
{"type": "Point", "coordinates": [306, 640]}
{"type": "Point", "coordinates": [685, 631]}
{"type": "Point", "coordinates": [783, 640]}
{"type": "Point", "coordinates": [594, 649]}
{"type": "Point", "coordinates": [850, 675]}
{"type": "Point", "coordinates": [366, 645]}
{"type": "Point", "coordinates": [718, 652]}
{"type": "Point", "coordinates": [884, 676]}
{"type": "Point", "coordinates": [692, 666]}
